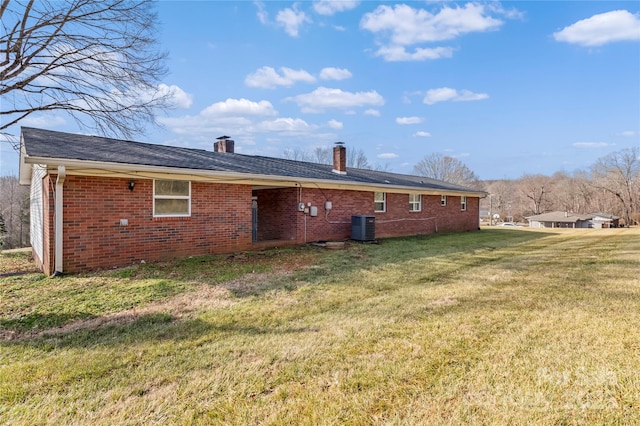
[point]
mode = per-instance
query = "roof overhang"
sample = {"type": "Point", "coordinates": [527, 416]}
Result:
{"type": "Point", "coordinates": [127, 170]}
{"type": "Point", "coordinates": [24, 168]}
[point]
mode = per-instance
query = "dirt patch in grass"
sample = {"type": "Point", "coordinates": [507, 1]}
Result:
{"type": "Point", "coordinates": [206, 295]}
{"type": "Point", "coordinates": [19, 262]}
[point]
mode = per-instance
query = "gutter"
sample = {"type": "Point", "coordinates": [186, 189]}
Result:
{"type": "Point", "coordinates": [58, 212]}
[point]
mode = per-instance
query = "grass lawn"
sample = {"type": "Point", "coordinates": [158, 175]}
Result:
{"type": "Point", "coordinates": [501, 326]}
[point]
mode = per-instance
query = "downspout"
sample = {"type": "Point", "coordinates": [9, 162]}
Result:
{"type": "Point", "coordinates": [62, 174]}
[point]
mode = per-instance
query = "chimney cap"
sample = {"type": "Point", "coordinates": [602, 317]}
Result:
{"type": "Point", "coordinates": [223, 137]}
{"type": "Point", "coordinates": [339, 143]}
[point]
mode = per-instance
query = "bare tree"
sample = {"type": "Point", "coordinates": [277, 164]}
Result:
{"type": "Point", "coordinates": [571, 193]}
{"type": "Point", "coordinates": [619, 174]}
{"type": "Point", "coordinates": [14, 209]}
{"type": "Point", "coordinates": [502, 200]}
{"type": "Point", "coordinates": [95, 59]}
{"type": "Point", "coordinates": [3, 230]}
{"type": "Point", "coordinates": [537, 188]}
{"type": "Point", "coordinates": [445, 168]}
{"type": "Point", "coordinates": [357, 159]}
{"type": "Point", "coordinates": [323, 155]}
{"type": "Point", "coordinates": [297, 154]}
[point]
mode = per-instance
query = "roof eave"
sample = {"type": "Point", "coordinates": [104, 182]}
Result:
{"type": "Point", "coordinates": [87, 167]}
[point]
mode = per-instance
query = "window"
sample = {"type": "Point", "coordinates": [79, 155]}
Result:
{"type": "Point", "coordinates": [443, 200]}
{"type": "Point", "coordinates": [415, 202]}
{"type": "Point", "coordinates": [171, 198]}
{"type": "Point", "coordinates": [380, 201]}
{"type": "Point", "coordinates": [463, 203]}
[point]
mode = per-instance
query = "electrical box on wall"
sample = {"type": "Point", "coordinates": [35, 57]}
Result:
{"type": "Point", "coordinates": [328, 205]}
{"type": "Point", "coordinates": [313, 210]}
{"type": "Point", "coordinates": [300, 207]}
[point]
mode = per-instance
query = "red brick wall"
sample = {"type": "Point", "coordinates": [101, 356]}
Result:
{"type": "Point", "coordinates": [277, 213]}
{"type": "Point", "coordinates": [336, 223]}
{"type": "Point", "coordinates": [220, 222]}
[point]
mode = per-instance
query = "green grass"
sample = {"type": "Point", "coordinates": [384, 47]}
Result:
{"type": "Point", "coordinates": [493, 327]}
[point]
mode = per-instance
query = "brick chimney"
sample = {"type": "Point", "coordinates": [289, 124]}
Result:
{"type": "Point", "coordinates": [340, 158]}
{"type": "Point", "coordinates": [224, 144]}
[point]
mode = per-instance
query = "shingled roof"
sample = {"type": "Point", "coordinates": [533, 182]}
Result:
{"type": "Point", "coordinates": [55, 148]}
{"type": "Point", "coordinates": [558, 216]}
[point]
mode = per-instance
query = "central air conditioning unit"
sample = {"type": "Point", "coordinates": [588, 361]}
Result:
{"type": "Point", "coordinates": [363, 228]}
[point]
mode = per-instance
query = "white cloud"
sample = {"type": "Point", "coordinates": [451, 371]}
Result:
{"type": "Point", "coordinates": [331, 73]}
{"type": "Point", "coordinates": [401, 25]}
{"type": "Point", "coordinates": [400, 54]}
{"type": "Point", "coordinates": [243, 119]}
{"type": "Point", "coordinates": [269, 78]}
{"type": "Point", "coordinates": [239, 107]}
{"type": "Point", "coordinates": [592, 144]}
{"type": "Point", "coordinates": [444, 94]}
{"type": "Point", "coordinates": [247, 122]}
{"type": "Point", "coordinates": [174, 95]}
{"type": "Point", "coordinates": [422, 134]}
{"type": "Point", "coordinates": [609, 27]}
{"type": "Point", "coordinates": [372, 112]}
{"type": "Point", "coordinates": [262, 14]}
{"type": "Point", "coordinates": [43, 121]}
{"type": "Point", "coordinates": [627, 133]}
{"type": "Point", "coordinates": [330, 7]}
{"type": "Point", "coordinates": [387, 155]}
{"type": "Point", "coordinates": [409, 120]}
{"type": "Point", "coordinates": [335, 124]}
{"type": "Point", "coordinates": [286, 126]}
{"type": "Point", "coordinates": [324, 98]}
{"type": "Point", "coordinates": [291, 19]}
{"type": "Point", "coordinates": [410, 26]}
{"type": "Point", "coordinates": [179, 97]}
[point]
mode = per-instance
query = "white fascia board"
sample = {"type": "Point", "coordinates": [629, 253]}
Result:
{"type": "Point", "coordinates": [24, 167]}
{"type": "Point", "coordinates": [99, 168]}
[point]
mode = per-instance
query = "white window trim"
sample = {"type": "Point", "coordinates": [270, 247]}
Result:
{"type": "Point", "coordinates": [418, 203]}
{"type": "Point", "coordinates": [384, 202]}
{"type": "Point", "coordinates": [463, 203]}
{"type": "Point", "coordinates": [171, 197]}
{"type": "Point", "coordinates": [443, 200]}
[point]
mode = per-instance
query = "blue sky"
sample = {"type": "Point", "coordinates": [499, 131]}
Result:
{"type": "Point", "coordinates": [508, 88]}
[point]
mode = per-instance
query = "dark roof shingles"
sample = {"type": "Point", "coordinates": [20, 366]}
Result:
{"type": "Point", "coordinates": [52, 144]}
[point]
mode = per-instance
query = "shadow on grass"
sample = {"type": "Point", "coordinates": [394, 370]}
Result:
{"type": "Point", "coordinates": [467, 249]}
{"type": "Point", "coordinates": [156, 327]}
{"type": "Point", "coordinates": [38, 321]}
{"type": "Point", "coordinates": [245, 278]}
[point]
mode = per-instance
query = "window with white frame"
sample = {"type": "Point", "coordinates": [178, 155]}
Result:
{"type": "Point", "coordinates": [415, 202]}
{"type": "Point", "coordinates": [380, 201]}
{"type": "Point", "coordinates": [463, 203]}
{"type": "Point", "coordinates": [171, 197]}
{"type": "Point", "coordinates": [443, 200]}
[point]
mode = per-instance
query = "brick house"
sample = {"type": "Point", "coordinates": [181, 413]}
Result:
{"type": "Point", "coordinates": [98, 202]}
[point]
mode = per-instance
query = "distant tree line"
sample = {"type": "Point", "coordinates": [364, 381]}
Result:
{"type": "Point", "coordinates": [356, 158]}
{"type": "Point", "coordinates": [611, 185]}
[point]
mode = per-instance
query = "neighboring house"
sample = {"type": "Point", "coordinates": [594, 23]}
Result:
{"type": "Point", "coordinates": [603, 220]}
{"type": "Point", "coordinates": [98, 202]}
{"type": "Point", "coordinates": [572, 220]}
